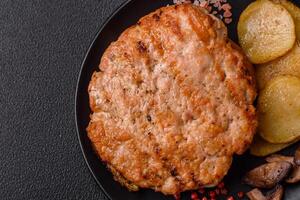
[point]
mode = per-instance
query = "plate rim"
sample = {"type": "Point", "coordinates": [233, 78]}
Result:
{"type": "Point", "coordinates": [87, 53]}
{"type": "Point", "coordinates": [78, 82]}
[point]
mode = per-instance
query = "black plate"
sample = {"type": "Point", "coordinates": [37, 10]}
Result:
{"type": "Point", "coordinates": [127, 15]}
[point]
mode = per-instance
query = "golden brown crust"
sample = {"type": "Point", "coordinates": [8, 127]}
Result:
{"type": "Point", "coordinates": [173, 102]}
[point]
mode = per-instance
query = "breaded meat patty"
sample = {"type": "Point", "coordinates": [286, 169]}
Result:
{"type": "Point", "coordinates": [172, 102]}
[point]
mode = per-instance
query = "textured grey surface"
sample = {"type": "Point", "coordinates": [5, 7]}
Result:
{"type": "Point", "coordinates": [42, 45]}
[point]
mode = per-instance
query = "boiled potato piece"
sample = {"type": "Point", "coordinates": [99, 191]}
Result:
{"type": "Point", "coordinates": [288, 64]}
{"type": "Point", "coordinates": [266, 31]}
{"type": "Point", "coordinates": [294, 11]}
{"type": "Point", "coordinates": [260, 147]}
{"type": "Point", "coordinates": [279, 110]}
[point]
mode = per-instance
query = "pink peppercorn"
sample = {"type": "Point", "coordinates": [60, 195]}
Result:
{"type": "Point", "coordinates": [212, 194]}
{"type": "Point", "coordinates": [224, 191]}
{"type": "Point", "coordinates": [204, 4]}
{"type": "Point", "coordinates": [227, 14]}
{"type": "Point", "coordinates": [194, 196]}
{"type": "Point", "coordinates": [230, 198]}
{"type": "Point", "coordinates": [226, 6]}
{"type": "Point", "coordinates": [201, 190]}
{"type": "Point", "coordinates": [228, 20]}
{"type": "Point", "coordinates": [209, 9]}
{"type": "Point", "coordinates": [177, 196]}
{"type": "Point", "coordinates": [240, 194]}
{"type": "Point", "coordinates": [221, 185]}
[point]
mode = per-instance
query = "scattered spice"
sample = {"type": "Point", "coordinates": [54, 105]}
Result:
{"type": "Point", "coordinates": [219, 8]}
{"type": "Point", "coordinates": [212, 194]}
{"type": "Point", "coordinates": [209, 9]}
{"type": "Point", "coordinates": [226, 6]}
{"type": "Point", "coordinates": [215, 193]}
{"type": "Point", "coordinates": [221, 185]}
{"type": "Point", "coordinates": [203, 4]}
{"type": "Point", "coordinates": [177, 196]}
{"type": "Point", "coordinates": [201, 190]}
{"type": "Point", "coordinates": [181, 1]}
{"type": "Point", "coordinates": [228, 20]}
{"type": "Point", "coordinates": [227, 14]}
{"type": "Point", "coordinates": [224, 191]}
{"type": "Point", "coordinates": [240, 194]}
{"type": "Point", "coordinates": [230, 198]}
{"type": "Point", "coordinates": [194, 196]}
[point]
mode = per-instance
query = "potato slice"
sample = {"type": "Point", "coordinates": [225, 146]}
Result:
{"type": "Point", "coordinates": [260, 147]}
{"type": "Point", "coordinates": [266, 31]}
{"type": "Point", "coordinates": [279, 110]}
{"type": "Point", "coordinates": [294, 11]}
{"type": "Point", "coordinates": [288, 64]}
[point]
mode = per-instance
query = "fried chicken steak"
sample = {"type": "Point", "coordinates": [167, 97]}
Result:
{"type": "Point", "coordinates": [172, 102]}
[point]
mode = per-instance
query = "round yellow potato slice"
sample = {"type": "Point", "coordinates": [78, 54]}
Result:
{"type": "Point", "coordinates": [289, 64]}
{"type": "Point", "coordinates": [266, 31]}
{"type": "Point", "coordinates": [260, 147]}
{"type": "Point", "coordinates": [279, 110]}
{"type": "Point", "coordinates": [294, 11]}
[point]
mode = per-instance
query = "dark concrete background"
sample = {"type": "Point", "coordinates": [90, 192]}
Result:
{"type": "Point", "coordinates": [42, 45]}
